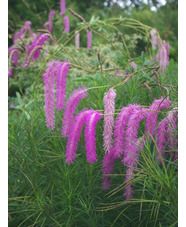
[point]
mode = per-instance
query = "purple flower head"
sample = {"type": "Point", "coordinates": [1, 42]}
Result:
{"type": "Point", "coordinates": [33, 51]}
{"type": "Point", "coordinates": [70, 108]}
{"type": "Point", "coordinates": [67, 24]}
{"type": "Point", "coordinates": [49, 79]}
{"type": "Point", "coordinates": [61, 85]}
{"type": "Point", "coordinates": [77, 35]}
{"type": "Point", "coordinates": [128, 189]}
{"type": "Point", "coordinates": [107, 168]}
{"type": "Point", "coordinates": [109, 109]}
{"type": "Point", "coordinates": [161, 138]}
{"type": "Point", "coordinates": [131, 150]}
{"type": "Point", "coordinates": [90, 133]}
{"type": "Point", "coordinates": [50, 20]}
{"type": "Point", "coordinates": [89, 39]}
{"type": "Point", "coordinates": [152, 115]}
{"type": "Point", "coordinates": [133, 65]}
{"type": "Point", "coordinates": [120, 129]}
{"type": "Point", "coordinates": [62, 7]}
{"type": "Point", "coordinates": [75, 134]}
{"type": "Point", "coordinates": [10, 73]}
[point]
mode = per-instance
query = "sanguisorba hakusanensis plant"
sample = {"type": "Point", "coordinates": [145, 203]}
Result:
{"type": "Point", "coordinates": [119, 140]}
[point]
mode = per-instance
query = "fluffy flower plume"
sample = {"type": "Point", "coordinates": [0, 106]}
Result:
{"type": "Point", "coordinates": [131, 149]}
{"type": "Point", "coordinates": [152, 115]}
{"type": "Point", "coordinates": [32, 52]}
{"type": "Point", "coordinates": [75, 134]}
{"type": "Point", "coordinates": [161, 138]}
{"type": "Point", "coordinates": [49, 25]}
{"type": "Point", "coordinates": [21, 32]}
{"type": "Point", "coordinates": [107, 168]}
{"type": "Point", "coordinates": [62, 7]}
{"type": "Point", "coordinates": [70, 108]}
{"type": "Point", "coordinates": [66, 24]}
{"type": "Point", "coordinates": [49, 79]}
{"type": "Point", "coordinates": [89, 39]}
{"type": "Point", "coordinates": [77, 36]}
{"type": "Point", "coordinates": [90, 133]}
{"type": "Point", "coordinates": [153, 34]}
{"type": "Point", "coordinates": [61, 85]}
{"type": "Point", "coordinates": [120, 128]}
{"type": "Point", "coordinates": [109, 109]}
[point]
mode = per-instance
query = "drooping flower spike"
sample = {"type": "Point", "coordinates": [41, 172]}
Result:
{"type": "Point", "coordinates": [90, 133]}
{"type": "Point", "coordinates": [75, 134]}
{"type": "Point", "coordinates": [89, 39]}
{"type": "Point", "coordinates": [77, 37]}
{"type": "Point", "coordinates": [70, 108]}
{"type": "Point", "coordinates": [62, 7]}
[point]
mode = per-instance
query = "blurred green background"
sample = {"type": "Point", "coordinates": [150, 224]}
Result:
{"type": "Point", "coordinates": [160, 14]}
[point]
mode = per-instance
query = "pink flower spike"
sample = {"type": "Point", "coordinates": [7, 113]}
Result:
{"type": "Point", "coordinates": [67, 24]}
{"type": "Point", "coordinates": [107, 168]}
{"type": "Point", "coordinates": [70, 108]}
{"type": "Point", "coordinates": [49, 78]}
{"type": "Point", "coordinates": [61, 85]}
{"type": "Point", "coordinates": [62, 7]}
{"type": "Point", "coordinates": [90, 133]}
{"type": "Point", "coordinates": [152, 115]}
{"type": "Point", "coordinates": [128, 189]}
{"type": "Point", "coordinates": [120, 129]}
{"type": "Point", "coordinates": [89, 39]}
{"type": "Point", "coordinates": [75, 134]}
{"type": "Point", "coordinates": [109, 109]}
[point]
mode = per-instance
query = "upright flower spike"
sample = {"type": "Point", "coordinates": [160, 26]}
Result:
{"type": "Point", "coordinates": [90, 133]}
{"type": "Point", "coordinates": [75, 134]}
{"type": "Point", "coordinates": [70, 108]}
{"type": "Point", "coordinates": [152, 115]}
{"type": "Point", "coordinates": [50, 20]}
{"type": "Point", "coordinates": [62, 7]}
{"type": "Point", "coordinates": [120, 129]}
{"type": "Point", "coordinates": [66, 24]}
{"type": "Point", "coordinates": [89, 39]}
{"type": "Point", "coordinates": [77, 36]}
{"type": "Point", "coordinates": [49, 78]}
{"type": "Point", "coordinates": [107, 168]}
{"type": "Point", "coordinates": [109, 109]}
{"type": "Point", "coordinates": [61, 85]}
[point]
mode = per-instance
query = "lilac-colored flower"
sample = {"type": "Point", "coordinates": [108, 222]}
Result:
{"type": "Point", "coordinates": [131, 149]}
{"type": "Point", "coordinates": [120, 129]}
{"type": "Point", "coordinates": [109, 109]}
{"type": "Point", "coordinates": [66, 24]}
{"type": "Point", "coordinates": [133, 65]}
{"type": "Point", "coordinates": [34, 55]}
{"type": "Point", "coordinates": [70, 108]}
{"type": "Point", "coordinates": [107, 168]}
{"type": "Point", "coordinates": [154, 36]}
{"type": "Point", "coordinates": [172, 117]}
{"type": "Point", "coordinates": [75, 134]}
{"type": "Point", "coordinates": [162, 138]}
{"type": "Point", "coordinates": [15, 56]}
{"type": "Point", "coordinates": [50, 19]}
{"type": "Point", "coordinates": [77, 35]}
{"type": "Point", "coordinates": [128, 189]}
{"type": "Point", "coordinates": [49, 79]}
{"type": "Point", "coordinates": [62, 7]}
{"type": "Point", "coordinates": [9, 72]}
{"type": "Point", "coordinates": [61, 85]}
{"type": "Point", "coordinates": [12, 106]}
{"type": "Point", "coordinates": [152, 115]}
{"type": "Point", "coordinates": [90, 133]}
{"type": "Point", "coordinates": [89, 39]}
